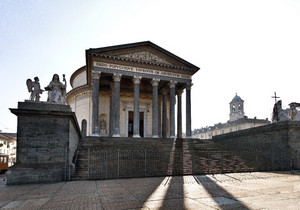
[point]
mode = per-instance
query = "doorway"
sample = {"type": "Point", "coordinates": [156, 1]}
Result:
{"type": "Point", "coordinates": [130, 124]}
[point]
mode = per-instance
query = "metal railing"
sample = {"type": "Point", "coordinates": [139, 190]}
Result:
{"type": "Point", "coordinates": [109, 164]}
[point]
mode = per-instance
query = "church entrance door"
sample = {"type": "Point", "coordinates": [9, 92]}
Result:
{"type": "Point", "coordinates": [130, 124]}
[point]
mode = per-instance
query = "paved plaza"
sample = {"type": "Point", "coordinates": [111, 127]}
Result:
{"type": "Point", "coordinates": [257, 190]}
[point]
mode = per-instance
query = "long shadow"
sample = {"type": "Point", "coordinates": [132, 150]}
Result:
{"type": "Point", "coordinates": [222, 198]}
{"type": "Point", "coordinates": [174, 198]}
{"type": "Point", "coordinates": [170, 194]}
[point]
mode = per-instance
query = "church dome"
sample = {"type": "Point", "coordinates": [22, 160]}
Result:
{"type": "Point", "coordinates": [236, 98]}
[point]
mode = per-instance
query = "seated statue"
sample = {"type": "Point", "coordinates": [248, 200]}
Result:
{"type": "Point", "coordinates": [34, 88]}
{"type": "Point", "coordinates": [56, 90]}
{"type": "Point", "coordinates": [290, 114]}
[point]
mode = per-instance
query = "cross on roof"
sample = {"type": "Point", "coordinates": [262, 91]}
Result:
{"type": "Point", "coordinates": [275, 97]}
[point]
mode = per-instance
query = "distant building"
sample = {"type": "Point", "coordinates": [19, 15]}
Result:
{"type": "Point", "coordinates": [8, 146]}
{"type": "Point", "coordinates": [237, 121]}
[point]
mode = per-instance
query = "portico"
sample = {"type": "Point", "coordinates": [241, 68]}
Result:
{"type": "Point", "coordinates": [133, 91]}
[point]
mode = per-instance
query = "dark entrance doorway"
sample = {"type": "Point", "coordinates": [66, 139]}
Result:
{"type": "Point", "coordinates": [130, 124]}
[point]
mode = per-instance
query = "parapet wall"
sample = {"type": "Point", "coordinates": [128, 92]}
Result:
{"type": "Point", "coordinates": [282, 137]}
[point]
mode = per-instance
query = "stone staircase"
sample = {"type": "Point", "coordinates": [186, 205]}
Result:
{"type": "Point", "coordinates": [107, 158]}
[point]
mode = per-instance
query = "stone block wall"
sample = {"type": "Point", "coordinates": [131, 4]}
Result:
{"type": "Point", "coordinates": [47, 137]}
{"type": "Point", "coordinates": [282, 138]}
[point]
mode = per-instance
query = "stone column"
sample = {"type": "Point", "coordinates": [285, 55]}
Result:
{"type": "Point", "coordinates": [116, 105]}
{"type": "Point", "coordinates": [188, 111]}
{"type": "Point", "coordinates": [111, 110]}
{"type": "Point", "coordinates": [159, 116]}
{"type": "Point", "coordinates": [154, 83]}
{"type": "Point", "coordinates": [179, 114]}
{"type": "Point", "coordinates": [95, 99]}
{"type": "Point", "coordinates": [172, 109]}
{"type": "Point", "coordinates": [136, 107]}
{"type": "Point", "coordinates": [164, 114]}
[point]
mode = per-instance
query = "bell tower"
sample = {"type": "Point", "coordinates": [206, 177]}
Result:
{"type": "Point", "coordinates": [236, 108]}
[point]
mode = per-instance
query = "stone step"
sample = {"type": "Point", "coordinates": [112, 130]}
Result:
{"type": "Point", "coordinates": [128, 157]}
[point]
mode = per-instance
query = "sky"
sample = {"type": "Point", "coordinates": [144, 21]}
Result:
{"type": "Point", "coordinates": [245, 47]}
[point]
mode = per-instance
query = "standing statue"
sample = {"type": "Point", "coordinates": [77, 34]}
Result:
{"type": "Point", "coordinates": [290, 114]}
{"type": "Point", "coordinates": [34, 88]}
{"type": "Point", "coordinates": [293, 113]}
{"type": "Point", "coordinates": [103, 127]}
{"type": "Point", "coordinates": [57, 90]}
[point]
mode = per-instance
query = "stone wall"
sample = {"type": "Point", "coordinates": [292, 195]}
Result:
{"type": "Point", "coordinates": [282, 138]}
{"type": "Point", "coordinates": [47, 137]}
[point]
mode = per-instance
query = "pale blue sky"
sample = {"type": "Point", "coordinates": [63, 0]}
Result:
{"type": "Point", "coordinates": [251, 47]}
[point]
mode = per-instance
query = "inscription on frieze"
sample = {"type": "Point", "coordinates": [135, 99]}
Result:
{"type": "Point", "coordinates": [141, 70]}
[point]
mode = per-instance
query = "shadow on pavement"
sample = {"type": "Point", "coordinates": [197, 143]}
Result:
{"type": "Point", "coordinates": [221, 197]}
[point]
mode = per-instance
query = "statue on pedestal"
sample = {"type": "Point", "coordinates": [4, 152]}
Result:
{"type": "Point", "coordinates": [34, 88]}
{"type": "Point", "coordinates": [57, 90]}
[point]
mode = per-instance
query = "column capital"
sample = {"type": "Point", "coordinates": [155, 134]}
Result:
{"type": "Point", "coordinates": [96, 74]}
{"type": "Point", "coordinates": [179, 92]}
{"type": "Point", "coordinates": [188, 86]}
{"type": "Point", "coordinates": [136, 79]}
{"type": "Point", "coordinates": [155, 82]}
{"type": "Point", "coordinates": [117, 77]}
{"type": "Point", "coordinates": [172, 84]}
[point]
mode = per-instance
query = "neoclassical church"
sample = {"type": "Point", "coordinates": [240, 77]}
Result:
{"type": "Point", "coordinates": [131, 90]}
{"type": "Point", "coordinates": [237, 121]}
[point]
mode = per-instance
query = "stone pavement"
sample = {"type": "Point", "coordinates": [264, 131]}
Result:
{"type": "Point", "coordinates": [256, 190]}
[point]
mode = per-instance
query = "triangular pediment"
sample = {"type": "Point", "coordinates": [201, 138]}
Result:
{"type": "Point", "coordinates": [145, 52]}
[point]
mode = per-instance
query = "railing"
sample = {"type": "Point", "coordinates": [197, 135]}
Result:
{"type": "Point", "coordinates": [109, 164]}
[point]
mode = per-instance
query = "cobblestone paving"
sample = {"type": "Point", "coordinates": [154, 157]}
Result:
{"type": "Point", "coordinates": [256, 190]}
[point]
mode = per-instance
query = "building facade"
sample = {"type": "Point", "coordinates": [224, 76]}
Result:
{"type": "Point", "coordinates": [237, 121]}
{"type": "Point", "coordinates": [8, 146]}
{"type": "Point", "coordinates": [130, 90]}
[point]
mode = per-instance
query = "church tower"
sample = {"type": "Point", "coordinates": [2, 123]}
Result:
{"type": "Point", "coordinates": [236, 108]}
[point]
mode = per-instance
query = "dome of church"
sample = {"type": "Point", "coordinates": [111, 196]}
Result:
{"type": "Point", "coordinates": [236, 98]}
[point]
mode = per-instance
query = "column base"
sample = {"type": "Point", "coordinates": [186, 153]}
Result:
{"type": "Point", "coordinates": [136, 136]}
{"type": "Point", "coordinates": [116, 135]}
{"type": "Point", "coordinates": [172, 137]}
{"type": "Point", "coordinates": [155, 136]}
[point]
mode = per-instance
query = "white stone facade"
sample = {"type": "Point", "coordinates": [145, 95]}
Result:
{"type": "Point", "coordinates": [130, 91]}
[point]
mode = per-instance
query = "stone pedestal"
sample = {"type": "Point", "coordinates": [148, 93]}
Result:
{"type": "Point", "coordinates": [47, 138]}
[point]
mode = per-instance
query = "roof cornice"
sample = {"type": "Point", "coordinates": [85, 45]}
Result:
{"type": "Point", "coordinates": [141, 61]}
{"type": "Point", "coordinates": [102, 51]}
